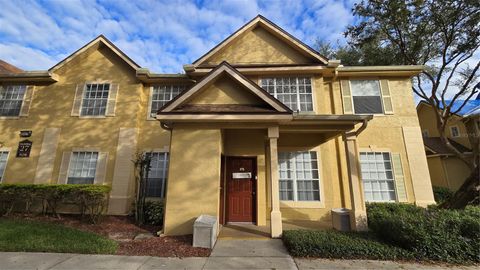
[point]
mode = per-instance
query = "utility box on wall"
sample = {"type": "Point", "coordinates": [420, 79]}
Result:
{"type": "Point", "coordinates": [205, 231]}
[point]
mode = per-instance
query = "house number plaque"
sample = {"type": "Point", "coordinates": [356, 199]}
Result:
{"type": "Point", "coordinates": [242, 175]}
{"type": "Point", "coordinates": [24, 148]}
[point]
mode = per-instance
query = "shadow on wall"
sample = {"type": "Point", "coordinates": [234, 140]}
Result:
{"type": "Point", "coordinates": [52, 106]}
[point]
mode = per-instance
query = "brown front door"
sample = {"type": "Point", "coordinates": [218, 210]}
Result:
{"type": "Point", "coordinates": [241, 189]}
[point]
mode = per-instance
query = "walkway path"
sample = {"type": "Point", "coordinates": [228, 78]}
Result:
{"type": "Point", "coordinates": [227, 254]}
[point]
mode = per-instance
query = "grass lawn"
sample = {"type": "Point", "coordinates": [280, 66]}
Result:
{"type": "Point", "coordinates": [34, 236]}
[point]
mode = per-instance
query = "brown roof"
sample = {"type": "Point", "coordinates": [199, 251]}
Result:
{"type": "Point", "coordinates": [436, 146]}
{"type": "Point", "coordinates": [6, 68]}
{"type": "Point", "coordinates": [223, 108]}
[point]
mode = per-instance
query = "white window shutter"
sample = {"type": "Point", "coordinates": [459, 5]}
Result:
{"type": "Point", "coordinates": [63, 173]}
{"type": "Point", "coordinates": [386, 96]}
{"type": "Point", "coordinates": [112, 99]}
{"type": "Point", "coordinates": [399, 178]}
{"type": "Point", "coordinates": [27, 100]}
{"type": "Point", "coordinates": [77, 102]}
{"type": "Point", "coordinates": [346, 97]}
{"type": "Point", "coordinates": [101, 169]}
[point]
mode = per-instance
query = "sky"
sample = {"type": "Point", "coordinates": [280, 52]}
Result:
{"type": "Point", "coordinates": [159, 35]}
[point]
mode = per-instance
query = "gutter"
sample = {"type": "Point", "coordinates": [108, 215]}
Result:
{"type": "Point", "coordinates": [34, 76]}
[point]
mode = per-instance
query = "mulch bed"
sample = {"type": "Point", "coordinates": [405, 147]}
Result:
{"type": "Point", "coordinates": [123, 230]}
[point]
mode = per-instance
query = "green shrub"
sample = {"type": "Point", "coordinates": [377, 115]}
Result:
{"type": "Point", "coordinates": [90, 199]}
{"type": "Point", "coordinates": [441, 194]}
{"type": "Point", "coordinates": [338, 245]}
{"type": "Point", "coordinates": [434, 234]}
{"type": "Point", "coordinates": [154, 212]}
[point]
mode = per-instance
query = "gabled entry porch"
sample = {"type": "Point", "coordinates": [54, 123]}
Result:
{"type": "Point", "coordinates": [231, 170]}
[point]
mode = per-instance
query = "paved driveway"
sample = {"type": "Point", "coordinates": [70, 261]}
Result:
{"type": "Point", "coordinates": [227, 254]}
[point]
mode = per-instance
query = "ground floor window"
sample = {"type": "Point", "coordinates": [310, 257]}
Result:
{"type": "Point", "coordinates": [82, 169]}
{"type": "Point", "coordinates": [299, 178]}
{"type": "Point", "coordinates": [3, 163]}
{"type": "Point", "coordinates": [157, 176]}
{"type": "Point", "coordinates": [377, 175]}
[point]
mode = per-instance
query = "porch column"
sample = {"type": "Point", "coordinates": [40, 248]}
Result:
{"type": "Point", "coordinates": [358, 214]}
{"type": "Point", "coordinates": [275, 215]}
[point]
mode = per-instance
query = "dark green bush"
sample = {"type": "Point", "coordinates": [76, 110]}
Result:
{"type": "Point", "coordinates": [339, 245]}
{"type": "Point", "coordinates": [441, 194]}
{"type": "Point", "coordinates": [90, 199]}
{"type": "Point", "coordinates": [154, 212]}
{"type": "Point", "coordinates": [435, 234]}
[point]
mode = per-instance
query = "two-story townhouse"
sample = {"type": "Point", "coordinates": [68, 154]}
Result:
{"type": "Point", "coordinates": [261, 129]}
{"type": "Point", "coordinates": [462, 130]}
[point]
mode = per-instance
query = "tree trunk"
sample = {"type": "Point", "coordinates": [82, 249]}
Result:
{"type": "Point", "coordinates": [466, 194]}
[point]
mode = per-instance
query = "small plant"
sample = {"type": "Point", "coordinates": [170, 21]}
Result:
{"type": "Point", "coordinates": [441, 194]}
{"type": "Point", "coordinates": [154, 212]}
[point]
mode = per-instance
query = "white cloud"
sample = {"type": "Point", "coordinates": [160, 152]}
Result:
{"type": "Point", "coordinates": [160, 35]}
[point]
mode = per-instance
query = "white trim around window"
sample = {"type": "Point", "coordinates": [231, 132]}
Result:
{"type": "Point", "coordinates": [455, 131]}
{"type": "Point", "coordinates": [295, 203]}
{"type": "Point", "coordinates": [4, 154]}
{"type": "Point", "coordinates": [161, 95]}
{"type": "Point", "coordinates": [82, 167]}
{"type": "Point", "coordinates": [379, 96]}
{"type": "Point", "coordinates": [12, 98]}
{"type": "Point", "coordinates": [298, 100]}
{"type": "Point", "coordinates": [100, 104]}
{"type": "Point", "coordinates": [378, 176]}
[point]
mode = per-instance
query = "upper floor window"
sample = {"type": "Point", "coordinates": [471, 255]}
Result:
{"type": "Point", "coordinates": [299, 179]}
{"type": "Point", "coordinates": [377, 175]}
{"type": "Point", "coordinates": [157, 176]}
{"type": "Point", "coordinates": [95, 99]}
{"type": "Point", "coordinates": [162, 94]}
{"type": "Point", "coordinates": [367, 98]}
{"type": "Point", "coordinates": [3, 163]}
{"type": "Point", "coordinates": [294, 92]}
{"type": "Point", "coordinates": [11, 99]}
{"type": "Point", "coordinates": [82, 168]}
{"type": "Point", "coordinates": [455, 132]}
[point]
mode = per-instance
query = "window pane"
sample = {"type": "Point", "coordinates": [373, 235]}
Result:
{"type": "Point", "coordinates": [3, 163]}
{"type": "Point", "coordinates": [294, 92]}
{"type": "Point", "coordinates": [366, 96]}
{"type": "Point", "coordinates": [95, 99]}
{"type": "Point", "coordinates": [11, 99]}
{"type": "Point", "coordinates": [82, 168]}
{"type": "Point", "coordinates": [157, 175]}
{"type": "Point", "coordinates": [163, 94]}
{"type": "Point", "coordinates": [299, 176]}
{"type": "Point", "coordinates": [377, 176]}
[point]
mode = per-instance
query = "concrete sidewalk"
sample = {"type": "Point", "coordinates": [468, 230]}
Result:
{"type": "Point", "coordinates": [227, 254]}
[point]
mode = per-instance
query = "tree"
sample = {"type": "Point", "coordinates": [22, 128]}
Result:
{"type": "Point", "coordinates": [442, 35]}
{"type": "Point", "coordinates": [142, 163]}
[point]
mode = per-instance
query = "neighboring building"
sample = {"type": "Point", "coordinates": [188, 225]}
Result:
{"type": "Point", "coordinates": [447, 170]}
{"type": "Point", "coordinates": [260, 129]}
{"type": "Point", "coordinates": [7, 68]}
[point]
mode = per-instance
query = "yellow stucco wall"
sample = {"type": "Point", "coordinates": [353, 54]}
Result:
{"type": "Point", "coordinates": [437, 171]}
{"type": "Point", "coordinates": [225, 91]}
{"type": "Point", "coordinates": [259, 47]}
{"type": "Point", "coordinates": [193, 178]}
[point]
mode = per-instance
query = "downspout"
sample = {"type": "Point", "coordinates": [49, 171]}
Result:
{"type": "Point", "coordinates": [362, 128]}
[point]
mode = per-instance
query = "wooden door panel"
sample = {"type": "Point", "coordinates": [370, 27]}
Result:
{"type": "Point", "coordinates": [240, 191]}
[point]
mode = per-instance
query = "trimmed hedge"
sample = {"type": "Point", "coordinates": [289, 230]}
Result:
{"type": "Point", "coordinates": [91, 200]}
{"type": "Point", "coordinates": [441, 194]}
{"type": "Point", "coordinates": [339, 245]}
{"type": "Point", "coordinates": [435, 234]}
